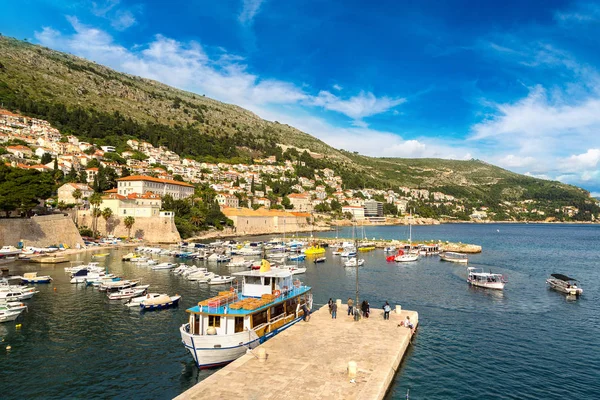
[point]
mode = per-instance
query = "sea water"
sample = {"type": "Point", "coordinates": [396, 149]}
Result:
{"type": "Point", "coordinates": [525, 342]}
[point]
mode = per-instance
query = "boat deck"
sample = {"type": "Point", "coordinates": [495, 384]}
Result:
{"type": "Point", "coordinates": [220, 310]}
{"type": "Point", "coordinates": [310, 360]}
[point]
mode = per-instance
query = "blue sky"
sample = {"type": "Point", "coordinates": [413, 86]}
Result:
{"type": "Point", "coordinates": [513, 83]}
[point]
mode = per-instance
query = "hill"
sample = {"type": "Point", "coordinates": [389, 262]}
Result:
{"type": "Point", "coordinates": [107, 107]}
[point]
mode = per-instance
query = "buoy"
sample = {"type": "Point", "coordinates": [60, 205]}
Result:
{"type": "Point", "coordinates": [18, 326]}
{"type": "Point", "coordinates": [8, 347]}
{"type": "Point", "coordinates": [55, 289]}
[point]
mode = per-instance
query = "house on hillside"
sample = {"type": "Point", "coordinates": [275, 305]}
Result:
{"type": "Point", "coordinates": [65, 192]}
{"type": "Point", "coordinates": [301, 202]}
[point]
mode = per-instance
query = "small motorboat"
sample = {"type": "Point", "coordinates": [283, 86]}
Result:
{"type": "Point", "coordinates": [389, 249]}
{"type": "Point", "coordinates": [100, 255]}
{"type": "Point", "coordinates": [16, 295]}
{"type": "Point", "coordinates": [9, 315]}
{"type": "Point", "coordinates": [348, 254]}
{"type": "Point", "coordinates": [320, 260]}
{"type": "Point", "coordinates": [351, 262]}
{"type": "Point", "coordinates": [12, 306]}
{"type": "Point", "coordinates": [564, 284]}
{"type": "Point", "coordinates": [454, 257]}
{"type": "Point", "coordinates": [115, 286]}
{"type": "Point", "coordinates": [159, 302]}
{"type": "Point", "coordinates": [32, 277]}
{"type": "Point", "coordinates": [201, 276]}
{"type": "Point", "coordinates": [128, 293]}
{"type": "Point", "coordinates": [165, 265]}
{"type": "Point", "coordinates": [220, 280]}
{"type": "Point", "coordinates": [488, 280]}
{"type": "Point", "coordinates": [297, 257]}
{"type": "Point", "coordinates": [239, 262]}
{"type": "Point", "coordinates": [406, 257]}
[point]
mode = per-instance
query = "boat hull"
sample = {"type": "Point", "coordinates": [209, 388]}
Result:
{"type": "Point", "coordinates": [487, 285]}
{"type": "Point", "coordinates": [571, 291]}
{"type": "Point", "coordinates": [206, 355]}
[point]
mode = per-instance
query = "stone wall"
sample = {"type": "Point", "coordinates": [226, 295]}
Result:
{"type": "Point", "coordinates": [39, 231]}
{"type": "Point", "coordinates": [245, 225]}
{"type": "Point", "coordinates": [153, 229]}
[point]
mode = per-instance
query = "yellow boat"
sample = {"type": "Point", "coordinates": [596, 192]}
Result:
{"type": "Point", "coordinates": [100, 255]}
{"type": "Point", "coordinates": [314, 250]}
{"type": "Point", "coordinates": [366, 248]}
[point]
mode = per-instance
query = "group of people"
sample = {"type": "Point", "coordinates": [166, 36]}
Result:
{"type": "Point", "coordinates": [365, 308]}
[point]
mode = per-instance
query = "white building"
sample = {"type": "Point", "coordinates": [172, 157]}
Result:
{"type": "Point", "coordinates": [142, 184]}
{"type": "Point", "coordinates": [358, 213]}
{"type": "Point", "coordinates": [65, 192]}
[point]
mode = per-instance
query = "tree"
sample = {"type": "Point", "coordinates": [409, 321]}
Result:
{"type": "Point", "coordinates": [107, 214]}
{"type": "Point", "coordinates": [129, 221]}
{"type": "Point", "coordinates": [20, 189]}
{"type": "Point", "coordinates": [46, 158]}
{"type": "Point", "coordinates": [285, 202]}
{"type": "Point", "coordinates": [77, 196]}
{"type": "Point", "coordinates": [95, 200]}
{"type": "Point", "coordinates": [61, 205]}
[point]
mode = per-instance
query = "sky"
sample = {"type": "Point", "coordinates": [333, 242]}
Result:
{"type": "Point", "coordinates": [513, 83]}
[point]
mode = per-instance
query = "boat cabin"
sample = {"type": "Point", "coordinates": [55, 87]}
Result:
{"type": "Point", "coordinates": [267, 301]}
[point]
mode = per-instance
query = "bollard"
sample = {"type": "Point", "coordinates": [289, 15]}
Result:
{"type": "Point", "coordinates": [398, 309]}
{"type": "Point", "coordinates": [339, 303]}
{"type": "Point", "coordinates": [261, 353]}
{"type": "Point", "coordinates": [352, 368]}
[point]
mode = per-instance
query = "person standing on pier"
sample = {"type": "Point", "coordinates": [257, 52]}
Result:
{"type": "Point", "coordinates": [364, 307]}
{"type": "Point", "coordinates": [333, 310]}
{"type": "Point", "coordinates": [329, 303]}
{"type": "Point", "coordinates": [386, 310]}
{"type": "Point", "coordinates": [306, 316]}
{"type": "Point", "coordinates": [350, 306]}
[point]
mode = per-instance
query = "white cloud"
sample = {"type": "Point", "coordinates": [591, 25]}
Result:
{"type": "Point", "coordinates": [581, 13]}
{"type": "Point", "coordinates": [587, 160]}
{"type": "Point", "coordinates": [365, 104]}
{"type": "Point", "coordinates": [249, 10]}
{"type": "Point", "coordinates": [337, 87]}
{"type": "Point", "coordinates": [512, 161]}
{"type": "Point", "coordinates": [123, 20]}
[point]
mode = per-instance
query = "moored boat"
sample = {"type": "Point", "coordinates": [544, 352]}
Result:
{"type": "Point", "coordinates": [223, 328]}
{"type": "Point", "coordinates": [320, 260]}
{"type": "Point", "coordinates": [32, 277]}
{"type": "Point", "coordinates": [128, 293]}
{"type": "Point", "coordinates": [564, 284]}
{"type": "Point", "coordinates": [159, 302]}
{"type": "Point", "coordinates": [351, 262]}
{"type": "Point", "coordinates": [454, 257]}
{"type": "Point", "coordinates": [220, 280]}
{"type": "Point", "coordinates": [488, 280]}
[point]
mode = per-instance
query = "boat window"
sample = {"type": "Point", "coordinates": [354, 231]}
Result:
{"type": "Point", "coordinates": [239, 324]}
{"type": "Point", "coordinates": [253, 280]}
{"type": "Point", "coordinates": [276, 311]}
{"type": "Point", "coordinates": [214, 320]}
{"type": "Point", "coordinates": [259, 318]}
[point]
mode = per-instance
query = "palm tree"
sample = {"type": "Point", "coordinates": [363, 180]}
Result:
{"type": "Point", "coordinates": [107, 214]}
{"type": "Point", "coordinates": [128, 222]}
{"type": "Point", "coordinates": [95, 201]}
{"type": "Point", "coordinates": [77, 195]}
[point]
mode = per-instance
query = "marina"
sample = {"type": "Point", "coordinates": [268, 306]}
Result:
{"type": "Point", "coordinates": [106, 348]}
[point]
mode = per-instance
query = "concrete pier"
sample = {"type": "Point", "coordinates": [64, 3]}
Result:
{"type": "Point", "coordinates": [313, 360]}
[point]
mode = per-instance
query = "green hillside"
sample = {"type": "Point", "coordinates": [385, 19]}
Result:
{"type": "Point", "coordinates": [106, 107]}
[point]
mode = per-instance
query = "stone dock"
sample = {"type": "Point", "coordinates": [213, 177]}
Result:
{"type": "Point", "coordinates": [311, 360]}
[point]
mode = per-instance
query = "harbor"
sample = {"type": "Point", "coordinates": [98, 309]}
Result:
{"type": "Point", "coordinates": [324, 357]}
{"type": "Point", "coordinates": [105, 349]}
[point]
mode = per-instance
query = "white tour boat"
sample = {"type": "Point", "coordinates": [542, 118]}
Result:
{"type": "Point", "coordinates": [454, 257]}
{"type": "Point", "coordinates": [223, 328]}
{"type": "Point", "coordinates": [476, 277]}
{"type": "Point", "coordinates": [564, 284]}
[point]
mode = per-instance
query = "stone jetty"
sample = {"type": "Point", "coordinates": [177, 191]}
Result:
{"type": "Point", "coordinates": [324, 358]}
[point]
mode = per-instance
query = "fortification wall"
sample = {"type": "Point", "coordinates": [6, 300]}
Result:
{"type": "Point", "coordinates": [245, 225]}
{"type": "Point", "coordinates": [39, 231]}
{"type": "Point", "coordinates": [153, 229]}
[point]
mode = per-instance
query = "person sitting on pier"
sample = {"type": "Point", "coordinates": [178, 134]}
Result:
{"type": "Point", "coordinates": [409, 324]}
{"type": "Point", "coordinates": [306, 315]}
{"type": "Point", "coordinates": [386, 310]}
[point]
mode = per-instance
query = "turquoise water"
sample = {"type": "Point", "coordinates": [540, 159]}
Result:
{"type": "Point", "coordinates": [525, 342]}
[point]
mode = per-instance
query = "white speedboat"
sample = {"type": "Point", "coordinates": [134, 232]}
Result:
{"type": "Point", "coordinates": [239, 262]}
{"type": "Point", "coordinates": [348, 254]}
{"type": "Point", "coordinates": [564, 284]}
{"type": "Point", "coordinates": [406, 257]}
{"type": "Point", "coordinates": [9, 315]}
{"type": "Point", "coordinates": [12, 306]}
{"type": "Point", "coordinates": [220, 280]}
{"type": "Point", "coordinates": [291, 268]}
{"type": "Point", "coordinates": [351, 262]}
{"type": "Point", "coordinates": [165, 265]}
{"type": "Point", "coordinates": [117, 285]}
{"type": "Point", "coordinates": [201, 276]}
{"type": "Point", "coordinates": [488, 280]}
{"type": "Point", "coordinates": [454, 257]}
{"type": "Point", "coordinates": [159, 302]}
{"type": "Point", "coordinates": [91, 267]}
{"type": "Point", "coordinates": [389, 249]}
{"type": "Point", "coordinates": [223, 328]}
{"type": "Point", "coordinates": [128, 293]}
{"type": "Point", "coordinates": [7, 251]}
{"type": "Point", "coordinates": [15, 295]}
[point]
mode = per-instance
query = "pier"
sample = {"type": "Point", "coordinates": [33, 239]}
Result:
{"type": "Point", "coordinates": [314, 360]}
